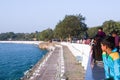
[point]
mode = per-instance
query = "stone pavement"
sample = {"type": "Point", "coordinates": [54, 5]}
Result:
{"type": "Point", "coordinates": [47, 69]}
{"type": "Point", "coordinates": [51, 69]}
{"type": "Point", "coordinates": [73, 69]}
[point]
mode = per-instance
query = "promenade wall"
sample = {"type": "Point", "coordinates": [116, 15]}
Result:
{"type": "Point", "coordinates": [80, 51]}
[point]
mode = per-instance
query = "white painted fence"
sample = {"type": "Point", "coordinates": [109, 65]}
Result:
{"type": "Point", "coordinates": [80, 51]}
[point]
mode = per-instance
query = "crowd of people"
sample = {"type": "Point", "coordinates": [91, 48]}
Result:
{"type": "Point", "coordinates": [106, 48]}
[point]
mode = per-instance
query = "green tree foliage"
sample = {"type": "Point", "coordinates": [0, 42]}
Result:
{"type": "Point", "coordinates": [71, 26]}
{"type": "Point", "coordinates": [109, 26]}
{"type": "Point", "coordinates": [3, 36]}
{"type": "Point", "coordinates": [17, 36]}
{"type": "Point", "coordinates": [46, 35]}
{"type": "Point", "coordinates": [92, 31]}
{"type": "Point", "coordinates": [7, 36]}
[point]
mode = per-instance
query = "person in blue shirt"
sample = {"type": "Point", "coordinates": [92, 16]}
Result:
{"type": "Point", "coordinates": [111, 59]}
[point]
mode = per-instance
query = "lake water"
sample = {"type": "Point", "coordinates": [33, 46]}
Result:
{"type": "Point", "coordinates": [15, 59]}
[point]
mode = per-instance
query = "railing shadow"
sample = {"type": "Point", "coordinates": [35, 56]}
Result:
{"type": "Point", "coordinates": [94, 71]}
{"type": "Point", "coordinates": [98, 71]}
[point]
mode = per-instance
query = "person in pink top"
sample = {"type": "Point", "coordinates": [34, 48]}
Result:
{"type": "Point", "coordinates": [115, 35]}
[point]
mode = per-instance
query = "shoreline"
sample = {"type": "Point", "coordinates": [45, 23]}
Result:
{"type": "Point", "coordinates": [42, 45]}
{"type": "Point", "coordinates": [30, 72]}
{"type": "Point", "coordinates": [41, 62]}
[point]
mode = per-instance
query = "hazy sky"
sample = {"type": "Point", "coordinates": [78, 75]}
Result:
{"type": "Point", "coordinates": [37, 15]}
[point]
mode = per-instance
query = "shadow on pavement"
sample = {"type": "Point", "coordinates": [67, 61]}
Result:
{"type": "Point", "coordinates": [98, 71]}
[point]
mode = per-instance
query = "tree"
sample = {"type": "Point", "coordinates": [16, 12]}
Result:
{"type": "Point", "coordinates": [111, 25]}
{"type": "Point", "coordinates": [7, 36]}
{"type": "Point", "coordinates": [71, 26]}
{"type": "Point", "coordinates": [92, 31]}
{"type": "Point", "coordinates": [108, 27]}
{"type": "Point", "coordinates": [46, 35]}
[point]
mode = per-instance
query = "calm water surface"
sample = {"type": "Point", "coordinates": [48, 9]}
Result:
{"type": "Point", "coordinates": [15, 59]}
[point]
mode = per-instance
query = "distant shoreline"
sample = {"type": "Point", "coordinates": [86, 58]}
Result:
{"type": "Point", "coordinates": [23, 42]}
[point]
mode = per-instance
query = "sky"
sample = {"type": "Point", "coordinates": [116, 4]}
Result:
{"type": "Point", "coordinates": [36, 15]}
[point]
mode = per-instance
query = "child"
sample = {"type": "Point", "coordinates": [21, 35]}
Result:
{"type": "Point", "coordinates": [111, 59]}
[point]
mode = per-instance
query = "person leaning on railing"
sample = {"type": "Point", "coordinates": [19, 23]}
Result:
{"type": "Point", "coordinates": [116, 37]}
{"type": "Point", "coordinates": [119, 44]}
{"type": "Point", "coordinates": [111, 59]}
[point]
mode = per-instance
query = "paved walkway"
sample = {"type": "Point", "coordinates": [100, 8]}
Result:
{"type": "Point", "coordinates": [51, 68]}
{"type": "Point", "coordinates": [73, 69]}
